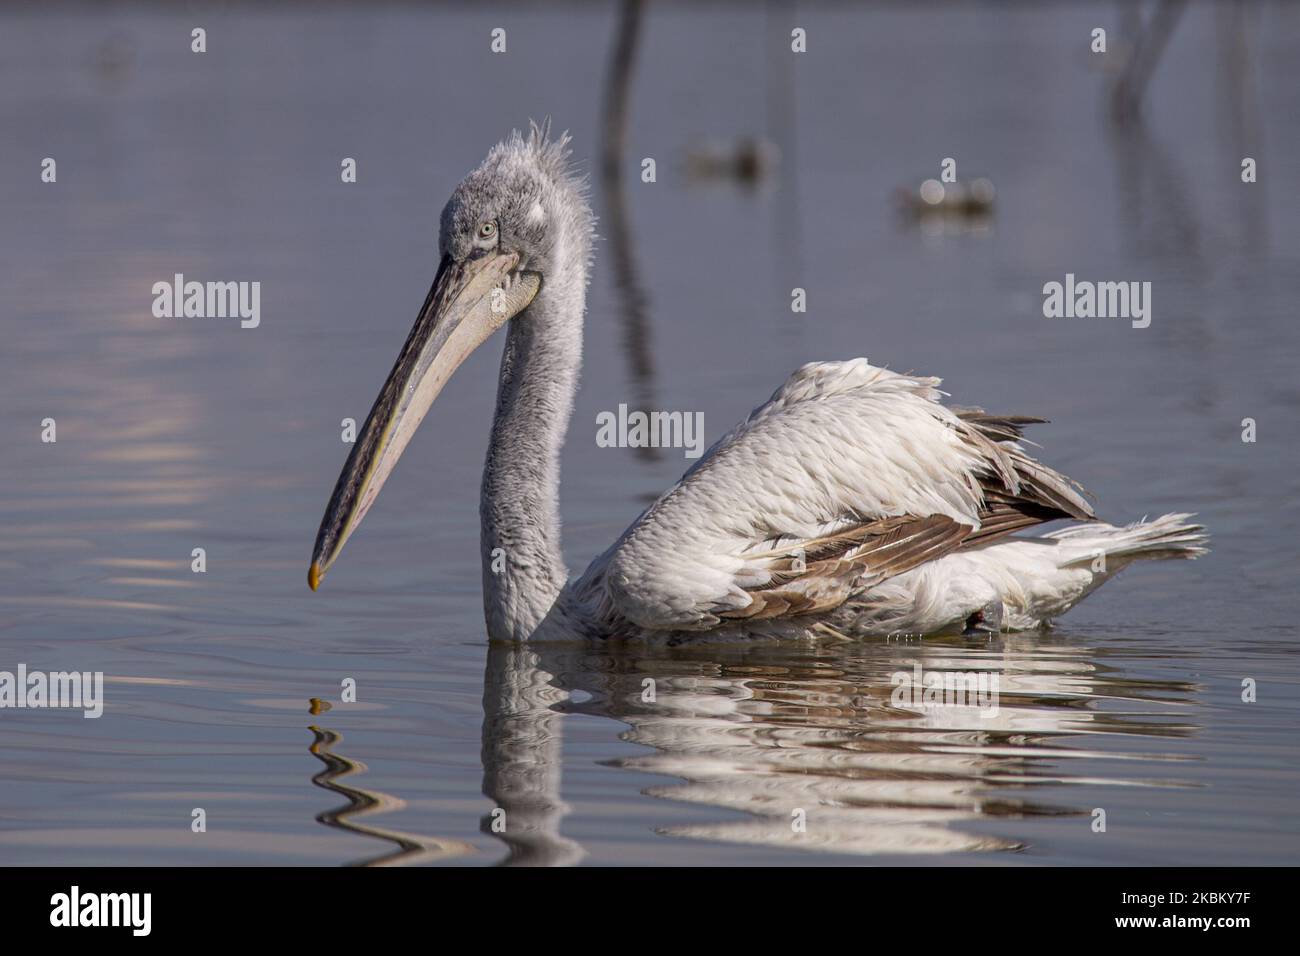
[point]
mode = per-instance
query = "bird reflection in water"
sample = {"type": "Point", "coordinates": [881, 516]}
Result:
{"type": "Point", "coordinates": [411, 847]}
{"type": "Point", "coordinates": [766, 730]}
{"type": "Point", "coordinates": [521, 758]}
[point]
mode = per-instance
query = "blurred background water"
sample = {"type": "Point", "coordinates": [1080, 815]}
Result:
{"type": "Point", "coordinates": [175, 434]}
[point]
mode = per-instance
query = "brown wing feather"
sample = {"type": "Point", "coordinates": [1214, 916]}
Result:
{"type": "Point", "coordinates": [827, 570]}
{"type": "Point", "coordinates": [1037, 494]}
{"type": "Point", "coordinates": [821, 573]}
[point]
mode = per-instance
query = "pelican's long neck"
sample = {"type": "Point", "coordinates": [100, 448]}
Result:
{"type": "Point", "coordinates": [523, 568]}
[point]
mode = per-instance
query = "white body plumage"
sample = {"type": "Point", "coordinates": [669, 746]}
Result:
{"type": "Point", "coordinates": [840, 445]}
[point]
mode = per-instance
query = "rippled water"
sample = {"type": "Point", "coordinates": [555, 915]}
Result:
{"type": "Point", "coordinates": [179, 434]}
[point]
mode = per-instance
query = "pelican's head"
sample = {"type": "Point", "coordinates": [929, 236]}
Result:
{"type": "Point", "coordinates": [504, 233]}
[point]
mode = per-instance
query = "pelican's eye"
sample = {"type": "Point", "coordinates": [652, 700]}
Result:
{"type": "Point", "coordinates": [487, 232]}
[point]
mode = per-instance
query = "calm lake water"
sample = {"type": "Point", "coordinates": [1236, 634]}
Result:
{"type": "Point", "coordinates": [178, 434]}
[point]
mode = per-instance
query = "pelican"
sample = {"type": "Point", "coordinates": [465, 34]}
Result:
{"type": "Point", "coordinates": [852, 503]}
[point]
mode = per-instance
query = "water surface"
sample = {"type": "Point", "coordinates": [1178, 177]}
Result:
{"type": "Point", "coordinates": [179, 434]}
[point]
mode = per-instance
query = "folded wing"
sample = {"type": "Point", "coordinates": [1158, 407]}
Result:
{"type": "Point", "coordinates": [850, 474]}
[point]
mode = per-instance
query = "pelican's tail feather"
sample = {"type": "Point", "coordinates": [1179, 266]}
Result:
{"type": "Point", "coordinates": [1029, 581]}
{"type": "Point", "coordinates": [1169, 536]}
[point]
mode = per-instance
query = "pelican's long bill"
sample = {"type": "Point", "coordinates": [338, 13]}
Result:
{"type": "Point", "coordinates": [468, 302]}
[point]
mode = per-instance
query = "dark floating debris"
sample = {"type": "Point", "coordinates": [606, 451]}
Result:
{"type": "Point", "coordinates": [747, 160]}
{"type": "Point", "coordinates": [971, 200]}
{"type": "Point", "coordinates": [112, 58]}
